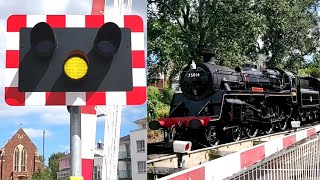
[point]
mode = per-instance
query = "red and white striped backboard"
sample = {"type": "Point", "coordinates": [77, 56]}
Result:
{"type": "Point", "coordinates": [15, 98]}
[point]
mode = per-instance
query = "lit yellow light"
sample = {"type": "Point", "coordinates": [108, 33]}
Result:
{"type": "Point", "coordinates": [75, 68]}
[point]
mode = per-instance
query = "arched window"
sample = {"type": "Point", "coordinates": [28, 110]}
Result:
{"type": "Point", "coordinates": [23, 160]}
{"type": "Point", "coordinates": [16, 159]}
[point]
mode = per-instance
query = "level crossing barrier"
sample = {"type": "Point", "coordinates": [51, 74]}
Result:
{"type": "Point", "coordinates": [246, 163]}
{"type": "Point", "coordinates": [299, 161]}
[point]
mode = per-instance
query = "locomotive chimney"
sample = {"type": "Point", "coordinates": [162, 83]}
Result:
{"type": "Point", "coordinates": [208, 57]}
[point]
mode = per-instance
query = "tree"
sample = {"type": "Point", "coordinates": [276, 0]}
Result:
{"type": "Point", "coordinates": [291, 32]}
{"type": "Point", "coordinates": [42, 175]}
{"type": "Point", "coordinates": [312, 68]}
{"type": "Point", "coordinates": [179, 31]}
{"type": "Point", "coordinates": [54, 163]}
{"type": "Point", "coordinates": [41, 159]}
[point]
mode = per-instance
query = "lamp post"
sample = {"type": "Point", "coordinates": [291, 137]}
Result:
{"type": "Point", "coordinates": [44, 132]}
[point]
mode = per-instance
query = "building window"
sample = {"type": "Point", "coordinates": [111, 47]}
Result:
{"type": "Point", "coordinates": [16, 159]}
{"type": "Point", "coordinates": [140, 146]}
{"type": "Point", "coordinates": [23, 160]}
{"type": "Point", "coordinates": [96, 172]}
{"type": "Point", "coordinates": [141, 167]}
{"type": "Point", "coordinates": [144, 126]}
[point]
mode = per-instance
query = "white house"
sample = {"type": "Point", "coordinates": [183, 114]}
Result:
{"type": "Point", "coordinates": [131, 160]}
{"type": "Point", "coordinates": [124, 159]}
{"type": "Point", "coordinates": [138, 144]}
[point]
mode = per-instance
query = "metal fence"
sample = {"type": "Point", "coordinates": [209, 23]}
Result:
{"type": "Point", "coordinates": [300, 161]}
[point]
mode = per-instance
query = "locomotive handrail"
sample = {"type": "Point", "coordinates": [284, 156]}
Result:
{"type": "Point", "coordinates": [175, 108]}
{"type": "Point", "coordinates": [242, 75]}
{"type": "Point", "coordinates": [224, 73]}
{"type": "Point", "coordinates": [205, 105]}
{"type": "Point", "coordinates": [224, 70]}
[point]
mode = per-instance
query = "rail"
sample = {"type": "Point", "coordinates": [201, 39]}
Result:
{"type": "Point", "coordinates": [164, 166]}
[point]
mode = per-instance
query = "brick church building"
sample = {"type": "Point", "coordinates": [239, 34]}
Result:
{"type": "Point", "coordinates": [19, 158]}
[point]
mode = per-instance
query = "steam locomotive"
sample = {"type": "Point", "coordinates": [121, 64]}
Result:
{"type": "Point", "coordinates": [219, 104]}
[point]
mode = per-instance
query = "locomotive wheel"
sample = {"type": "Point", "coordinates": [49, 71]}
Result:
{"type": "Point", "coordinates": [212, 137]}
{"type": "Point", "coordinates": [268, 129]}
{"type": "Point", "coordinates": [250, 131]}
{"type": "Point", "coordinates": [236, 134]}
{"type": "Point", "coordinates": [280, 114]}
{"type": "Point", "coordinates": [283, 124]}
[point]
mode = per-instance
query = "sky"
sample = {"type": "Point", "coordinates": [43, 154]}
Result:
{"type": "Point", "coordinates": [54, 120]}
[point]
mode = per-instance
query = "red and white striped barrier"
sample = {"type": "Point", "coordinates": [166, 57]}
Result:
{"type": "Point", "coordinates": [88, 138]}
{"type": "Point", "coordinates": [228, 165]}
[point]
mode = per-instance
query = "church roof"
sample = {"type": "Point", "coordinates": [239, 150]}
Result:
{"type": "Point", "coordinates": [20, 133]}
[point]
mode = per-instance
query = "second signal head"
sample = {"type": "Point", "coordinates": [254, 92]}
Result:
{"type": "Point", "coordinates": [108, 40]}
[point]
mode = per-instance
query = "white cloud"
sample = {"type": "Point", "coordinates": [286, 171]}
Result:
{"type": "Point", "coordinates": [54, 6]}
{"type": "Point", "coordinates": [36, 133]}
{"type": "Point", "coordinates": [55, 118]}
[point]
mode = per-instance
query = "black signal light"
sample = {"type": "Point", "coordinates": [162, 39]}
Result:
{"type": "Point", "coordinates": [42, 40]}
{"type": "Point", "coordinates": [107, 40]}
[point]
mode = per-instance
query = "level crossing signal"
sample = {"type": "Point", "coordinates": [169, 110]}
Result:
{"type": "Point", "coordinates": [96, 57]}
{"type": "Point", "coordinates": [75, 59]}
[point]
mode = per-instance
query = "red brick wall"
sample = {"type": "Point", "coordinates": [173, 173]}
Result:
{"type": "Point", "coordinates": [159, 84]}
{"type": "Point", "coordinates": [32, 162]}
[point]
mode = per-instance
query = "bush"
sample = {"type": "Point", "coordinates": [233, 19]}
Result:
{"type": "Point", "coordinates": [158, 102]}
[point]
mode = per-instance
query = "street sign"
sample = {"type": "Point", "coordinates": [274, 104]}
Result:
{"type": "Point", "coordinates": [59, 60]}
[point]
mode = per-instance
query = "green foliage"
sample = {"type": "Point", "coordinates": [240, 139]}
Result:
{"type": "Point", "coordinates": [54, 163]}
{"type": "Point", "coordinates": [180, 30]}
{"type": "Point", "coordinates": [311, 71]}
{"type": "Point", "coordinates": [42, 175]}
{"type": "Point", "coordinates": [291, 32]}
{"type": "Point", "coordinates": [158, 102]}
{"type": "Point", "coordinates": [41, 159]}
{"type": "Point", "coordinates": [312, 68]}
{"type": "Point", "coordinates": [166, 95]}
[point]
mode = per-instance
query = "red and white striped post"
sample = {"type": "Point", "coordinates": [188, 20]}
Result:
{"type": "Point", "coordinates": [88, 137]}
{"type": "Point", "coordinates": [89, 119]}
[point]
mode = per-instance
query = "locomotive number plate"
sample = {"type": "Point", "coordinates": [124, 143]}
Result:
{"type": "Point", "coordinates": [191, 75]}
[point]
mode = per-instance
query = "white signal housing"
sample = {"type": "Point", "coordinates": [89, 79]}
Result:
{"type": "Point", "coordinates": [295, 124]}
{"type": "Point", "coordinates": [182, 146]}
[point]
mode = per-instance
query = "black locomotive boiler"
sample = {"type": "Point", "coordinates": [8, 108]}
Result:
{"type": "Point", "coordinates": [219, 104]}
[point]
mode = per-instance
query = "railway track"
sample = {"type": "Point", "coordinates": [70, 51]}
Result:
{"type": "Point", "coordinates": [157, 150]}
{"type": "Point", "coordinates": [166, 162]}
